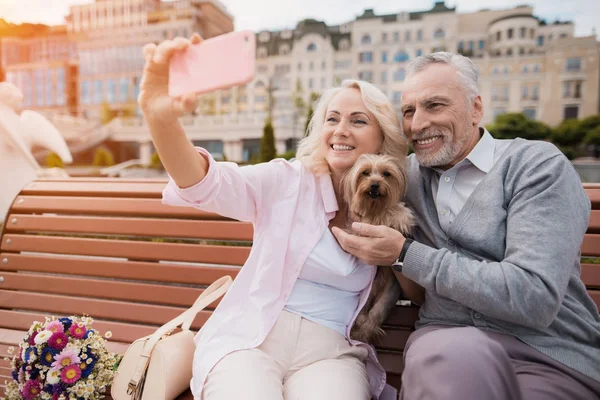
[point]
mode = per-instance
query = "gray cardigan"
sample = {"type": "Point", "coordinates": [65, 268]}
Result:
{"type": "Point", "coordinates": [510, 262]}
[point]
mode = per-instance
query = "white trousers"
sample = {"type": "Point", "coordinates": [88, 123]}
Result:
{"type": "Point", "coordinates": [299, 360]}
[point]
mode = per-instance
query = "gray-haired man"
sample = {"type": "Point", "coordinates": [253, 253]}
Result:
{"type": "Point", "coordinates": [500, 224]}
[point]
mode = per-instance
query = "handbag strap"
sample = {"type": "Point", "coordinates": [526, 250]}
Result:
{"type": "Point", "coordinates": [185, 319]}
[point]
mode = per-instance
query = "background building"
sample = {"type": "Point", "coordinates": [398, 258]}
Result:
{"type": "Point", "coordinates": [525, 65]}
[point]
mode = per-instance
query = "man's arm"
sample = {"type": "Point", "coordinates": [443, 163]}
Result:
{"type": "Point", "coordinates": [547, 219]}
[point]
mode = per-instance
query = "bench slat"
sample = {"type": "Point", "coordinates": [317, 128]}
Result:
{"type": "Point", "coordinates": [101, 188]}
{"type": "Point", "coordinates": [107, 289]}
{"type": "Point", "coordinates": [143, 227]}
{"type": "Point", "coordinates": [594, 224]}
{"type": "Point", "coordinates": [591, 245]}
{"type": "Point", "coordinates": [231, 255]}
{"type": "Point", "coordinates": [134, 270]}
{"type": "Point", "coordinates": [402, 316]}
{"type": "Point", "coordinates": [106, 206]}
{"type": "Point", "coordinates": [392, 362]}
{"type": "Point", "coordinates": [98, 308]}
{"type": "Point", "coordinates": [590, 275]}
{"type": "Point", "coordinates": [394, 339]}
{"type": "Point", "coordinates": [122, 332]}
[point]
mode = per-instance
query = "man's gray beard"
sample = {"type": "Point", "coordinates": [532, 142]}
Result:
{"type": "Point", "coordinates": [443, 156]}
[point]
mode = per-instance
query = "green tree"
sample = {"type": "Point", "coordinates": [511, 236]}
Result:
{"type": "Point", "coordinates": [103, 157]}
{"type": "Point", "coordinates": [267, 143]}
{"type": "Point", "coordinates": [570, 132]}
{"type": "Point", "coordinates": [592, 139]}
{"type": "Point", "coordinates": [54, 161]}
{"type": "Point", "coordinates": [513, 125]}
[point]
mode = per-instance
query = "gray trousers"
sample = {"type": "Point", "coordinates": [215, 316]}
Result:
{"type": "Point", "coordinates": [466, 363]}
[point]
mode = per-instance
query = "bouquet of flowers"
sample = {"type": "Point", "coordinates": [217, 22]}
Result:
{"type": "Point", "coordinates": [61, 359]}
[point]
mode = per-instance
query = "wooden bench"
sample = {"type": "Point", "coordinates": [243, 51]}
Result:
{"type": "Point", "coordinates": [110, 249]}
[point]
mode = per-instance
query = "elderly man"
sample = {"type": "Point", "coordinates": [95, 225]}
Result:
{"type": "Point", "coordinates": [500, 225]}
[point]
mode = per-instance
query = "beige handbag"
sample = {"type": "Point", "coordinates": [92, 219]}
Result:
{"type": "Point", "coordinates": [159, 366]}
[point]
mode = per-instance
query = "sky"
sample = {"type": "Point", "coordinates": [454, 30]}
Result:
{"type": "Point", "coordinates": [280, 14]}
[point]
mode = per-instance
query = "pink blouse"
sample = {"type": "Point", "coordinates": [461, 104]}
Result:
{"type": "Point", "coordinates": [290, 209]}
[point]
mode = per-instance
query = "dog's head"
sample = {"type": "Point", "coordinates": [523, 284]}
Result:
{"type": "Point", "coordinates": [374, 184]}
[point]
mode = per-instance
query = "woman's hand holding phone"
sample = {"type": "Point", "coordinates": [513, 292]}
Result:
{"type": "Point", "coordinates": [154, 99]}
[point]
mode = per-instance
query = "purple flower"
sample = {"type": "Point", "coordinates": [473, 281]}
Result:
{"type": "Point", "coordinates": [32, 338]}
{"type": "Point", "coordinates": [31, 390]}
{"type": "Point", "coordinates": [58, 340]}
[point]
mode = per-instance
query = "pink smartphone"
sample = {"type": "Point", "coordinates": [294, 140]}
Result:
{"type": "Point", "coordinates": [216, 63]}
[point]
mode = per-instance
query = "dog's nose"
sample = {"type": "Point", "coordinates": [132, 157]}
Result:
{"type": "Point", "coordinates": [374, 187]}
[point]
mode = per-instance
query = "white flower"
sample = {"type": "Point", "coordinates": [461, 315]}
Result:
{"type": "Point", "coordinates": [42, 337]}
{"type": "Point", "coordinates": [53, 376]}
{"type": "Point", "coordinates": [80, 392]}
{"type": "Point", "coordinates": [108, 334]}
{"type": "Point", "coordinates": [11, 350]}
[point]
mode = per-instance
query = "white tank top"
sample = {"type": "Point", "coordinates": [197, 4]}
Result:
{"type": "Point", "coordinates": [328, 288]}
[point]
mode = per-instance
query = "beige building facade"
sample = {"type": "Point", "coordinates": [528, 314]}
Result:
{"type": "Point", "coordinates": [525, 65]}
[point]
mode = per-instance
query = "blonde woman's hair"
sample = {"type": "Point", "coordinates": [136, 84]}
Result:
{"type": "Point", "coordinates": [394, 143]}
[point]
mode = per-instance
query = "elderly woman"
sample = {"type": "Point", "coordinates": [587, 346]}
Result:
{"type": "Point", "coordinates": [282, 330]}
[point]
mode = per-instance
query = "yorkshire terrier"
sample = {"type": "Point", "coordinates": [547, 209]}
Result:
{"type": "Point", "coordinates": [373, 189]}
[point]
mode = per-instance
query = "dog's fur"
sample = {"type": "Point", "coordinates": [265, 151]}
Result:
{"type": "Point", "coordinates": [372, 188]}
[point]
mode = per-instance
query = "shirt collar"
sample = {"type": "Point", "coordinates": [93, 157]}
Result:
{"type": "Point", "coordinates": [481, 156]}
{"type": "Point", "coordinates": [328, 194]}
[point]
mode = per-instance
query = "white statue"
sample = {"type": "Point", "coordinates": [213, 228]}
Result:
{"type": "Point", "coordinates": [19, 132]}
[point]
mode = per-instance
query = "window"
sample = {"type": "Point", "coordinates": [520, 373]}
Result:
{"type": "Point", "coordinates": [322, 83]}
{"type": "Point", "coordinates": [461, 45]}
{"type": "Point", "coordinates": [571, 112]}
{"type": "Point", "coordinates": [498, 36]}
{"type": "Point", "coordinates": [98, 95]}
{"type": "Point", "coordinates": [85, 92]}
{"type": "Point", "coordinates": [481, 44]}
{"type": "Point", "coordinates": [384, 37]}
{"type": "Point", "coordinates": [250, 149]}
{"type": "Point", "coordinates": [396, 37]}
{"type": "Point", "coordinates": [383, 76]}
{"type": "Point", "coordinates": [419, 35]}
{"type": "Point", "coordinates": [324, 65]}
{"type": "Point", "coordinates": [366, 57]}
{"type": "Point", "coordinates": [124, 90]}
{"type": "Point", "coordinates": [343, 64]}
{"type": "Point", "coordinates": [401, 56]}
{"type": "Point", "coordinates": [523, 32]}
{"type": "Point", "coordinates": [111, 91]}
{"type": "Point", "coordinates": [397, 98]}
{"type": "Point", "coordinates": [61, 99]}
{"type": "Point", "coordinates": [509, 33]}
{"type": "Point", "coordinates": [214, 147]}
{"type": "Point", "coordinates": [521, 51]}
{"type": "Point", "coordinates": [419, 52]}
{"type": "Point", "coordinates": [366, 76]}
{"type": "Point", "coordinates": [577, 91]}
{"type": "Point", "coordinates": [573, 64]}
{"type": "Point", "coordinates": [524, 92]}
{"type": "Point", "coordinates": [366, 39]}
{"type": "Point", "coordinates": [509, 52]}
{"type": "Point", "coordinates": [311, 47]}
{"type": "Point", "coordinates": [540, 41]}
{"type": "Point", "coordinates": [525, 69]}
{"type": "Point", "coordinates": [534, 92]}
{"type": "Point", "coordinates": [529, 112]}
{"type": "Point", "coordinates": [439, 34]}
{"type": "Point", "coordinates": [407, 36]}
{"type": "Point", "coordinates": [310, 83]}
{"type": "Point", "coordinates": [384, 57]}
{"type": "Point", "coordinates": [399, 75]}
{"type": "Point", "coordinates": [262, 52]}
{"type": "Point", "coordinates": [49, 87]}
{"type": "Point", "coordinates": [311, 66]}
{"type": "Point", "coordinates": [471, 45]}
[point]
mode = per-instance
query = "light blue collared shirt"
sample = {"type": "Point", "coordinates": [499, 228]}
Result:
{"type": "Point", "coordinates": [453, 187]}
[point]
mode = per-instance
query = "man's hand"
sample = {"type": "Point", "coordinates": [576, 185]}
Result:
{"type": "Point", "coordinates": [375, 245]}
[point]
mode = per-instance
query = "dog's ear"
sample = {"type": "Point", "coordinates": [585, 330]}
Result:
{"type": "Point", "coordinates": [346, 185]}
